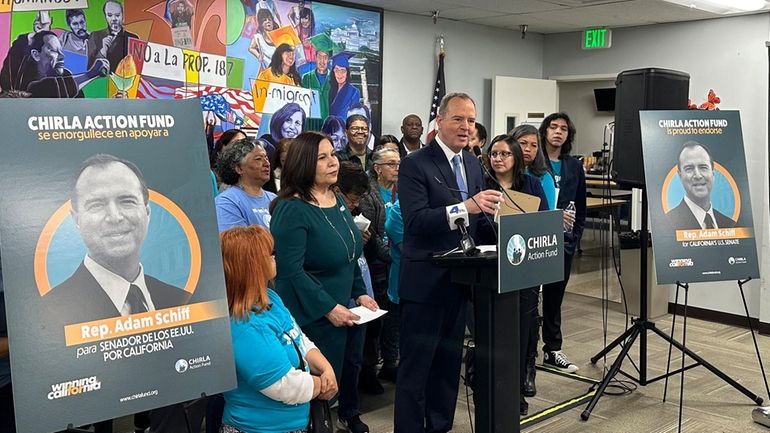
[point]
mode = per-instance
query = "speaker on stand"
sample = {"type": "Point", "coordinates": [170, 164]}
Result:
{"type": "Point", "coordinates": [641, 89]}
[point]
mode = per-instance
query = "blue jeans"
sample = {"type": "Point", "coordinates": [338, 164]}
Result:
{"type": "Point", "coordinates": [351, 367]}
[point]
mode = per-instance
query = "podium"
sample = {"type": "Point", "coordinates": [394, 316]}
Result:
{"type": "Point", "coordinates": [496, 335]}
{"type": "Point", "coordinates": [532, 253]}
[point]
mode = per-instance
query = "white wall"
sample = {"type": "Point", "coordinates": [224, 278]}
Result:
{"type": "Point", "coordinates": [475, 54]}
{"type": "Point", "coordinates": [576, 98]}
{"type": "Point", "coordinates": [726, 54]}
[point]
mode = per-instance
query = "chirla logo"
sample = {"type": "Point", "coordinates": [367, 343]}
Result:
{"type": "Point", "coordinates": [516, 249]}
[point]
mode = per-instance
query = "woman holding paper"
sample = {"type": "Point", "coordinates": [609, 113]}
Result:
{"type": "Point", "coordinates": [317, 245]}
{"type": "Point", "coordinates": [507, 167]}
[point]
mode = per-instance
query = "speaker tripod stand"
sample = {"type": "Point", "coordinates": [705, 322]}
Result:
{"type": "Point", "coordinates": [638, 331]}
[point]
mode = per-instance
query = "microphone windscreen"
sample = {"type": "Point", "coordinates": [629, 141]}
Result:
{"type": "Point", "coordinates": [477, 151]}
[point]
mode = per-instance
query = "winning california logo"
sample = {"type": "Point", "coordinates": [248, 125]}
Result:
{"type": "Point", "coordinates": [74, 387]}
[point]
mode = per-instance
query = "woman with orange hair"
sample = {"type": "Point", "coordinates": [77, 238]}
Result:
{"type": "Point", "coordinates": [273, 389]}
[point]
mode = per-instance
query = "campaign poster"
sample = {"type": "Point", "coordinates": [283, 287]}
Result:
{"type": "Point", "coordinates": [698, 195]}
{"type": "Point", "coordinates": [111, 262]}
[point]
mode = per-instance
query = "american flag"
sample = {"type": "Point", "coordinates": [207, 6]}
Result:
{"type": "Point", "coordinates": [439, 90]}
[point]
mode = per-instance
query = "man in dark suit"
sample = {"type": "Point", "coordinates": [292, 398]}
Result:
{"type": "Point", "coordinates": [110, 208]}
{"type": "Point", "coordinates": [432, 308]}
{"type": "Point", "coordinates": [411, 130]}
{"type": "Point", "coordinates": [695, 211]}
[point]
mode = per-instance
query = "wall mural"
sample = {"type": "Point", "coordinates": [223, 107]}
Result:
{"type": "Point", "coordinates": [276, 66]}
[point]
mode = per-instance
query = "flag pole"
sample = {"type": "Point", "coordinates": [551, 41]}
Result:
{"type": "Point", "coordinates": [439, 90]}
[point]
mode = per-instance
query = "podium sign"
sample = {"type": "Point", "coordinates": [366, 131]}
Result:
{"type": "Point", "coordinates": [530, 250]}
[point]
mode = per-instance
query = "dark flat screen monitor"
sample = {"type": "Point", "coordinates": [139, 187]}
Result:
{"type": "Point", "coordinates": [605, 99]}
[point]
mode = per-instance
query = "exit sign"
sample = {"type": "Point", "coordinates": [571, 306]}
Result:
{"type": "Point", "coordinates": [597, 38]}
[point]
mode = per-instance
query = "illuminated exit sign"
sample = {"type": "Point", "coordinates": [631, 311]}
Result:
{"type": "Point", "coordinates": [597, 38]}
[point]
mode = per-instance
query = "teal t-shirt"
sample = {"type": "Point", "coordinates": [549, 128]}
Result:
{"type": "Point", "coordinates": [556, 165]}
{"type": "Point", "coordinates": [549, 187]}
{"type": "Point", "coordinates": [264, 353]}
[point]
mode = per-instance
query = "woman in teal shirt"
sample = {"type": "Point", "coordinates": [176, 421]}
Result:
{"type": "Point", "coordinates": [317, 246]}
{"type": "Point", "coordinates": [273, 390]}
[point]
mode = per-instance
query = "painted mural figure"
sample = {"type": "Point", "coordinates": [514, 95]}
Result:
{"type": "Point", "coordinates": [318, 79]}
{"type": "Point", "coordinates": [261, 45]}
{"type": "Point", "coordinates": [43, 72]}
{"type": "Point", "coordinates": [287, 122]}
{"type": "Point", "coordinates": [181, 14]}
{"type": "Point", "coordinates": [282, 68]}
{"type": "Point", "coordinates": [305, 30]}
{"type": "Point", "coordinates": [110, 43]}
{"type": "Point", "coordinates": [342, 94]}
{"type": "Point", "coordinates": [334, 127]}
{"type": "Point", "coordinates": [11, 73]}
{"type": "Point", "coordinates": [76, 40]}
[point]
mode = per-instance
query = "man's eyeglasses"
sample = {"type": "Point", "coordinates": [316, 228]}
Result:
{"type": "Point", "coordinates": [501, 155]}
{"type": "Point", "coordinates": [390, 164]}
{"type": "Point", "coordinates": [359, 129]}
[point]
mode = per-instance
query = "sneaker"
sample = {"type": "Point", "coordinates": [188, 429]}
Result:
{"type": "Point", "coordinates": [354, 425]}
{"type": "Point", "coordinates": [388, 374]}
{"type": "Point", "coordinates": [559, 360]}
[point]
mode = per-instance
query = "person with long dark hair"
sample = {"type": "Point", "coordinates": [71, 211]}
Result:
{"type": "Point", "coordinates": [282, 68]}
{"type": "Point", "coordinates": [557, 133]}
{"type": "Point", "coordinates": [507, 166]}
{"type": "Point", "coordinates": [528, 138]}
{"type": "Point", "coordinates": [317, 247]}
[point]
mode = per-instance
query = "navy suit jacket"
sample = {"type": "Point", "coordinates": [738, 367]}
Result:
{"type": "Point", "coordinates": [681, 218]}
{"type": "Point", "coordinates": [80, 298]}
{"type": "Point", "coordinates": [424, 180]}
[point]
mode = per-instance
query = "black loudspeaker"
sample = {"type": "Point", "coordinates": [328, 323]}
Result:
{"type": "Point", "coordinates": [641, 89]}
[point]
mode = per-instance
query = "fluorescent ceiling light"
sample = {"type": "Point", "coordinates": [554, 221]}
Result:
{"type": "Point", "coordinates": [723, 6]}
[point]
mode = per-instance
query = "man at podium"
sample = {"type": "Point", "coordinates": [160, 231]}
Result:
{"type": "Point", "coordinates": [436, 184]}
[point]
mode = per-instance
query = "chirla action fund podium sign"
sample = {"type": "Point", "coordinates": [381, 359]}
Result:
{"type": "Point", "coordinates": [698, 194]}
{"type": "Point", "coordinates": [111, 262]}
{"type": "Point", "coordinates": [530, 250]}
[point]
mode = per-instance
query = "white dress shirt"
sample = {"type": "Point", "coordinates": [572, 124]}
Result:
{"type": "Point", "coordinates": [116, 287]}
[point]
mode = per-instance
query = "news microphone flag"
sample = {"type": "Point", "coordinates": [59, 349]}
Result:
{"type": "Point", "coordinates": [439, 90]}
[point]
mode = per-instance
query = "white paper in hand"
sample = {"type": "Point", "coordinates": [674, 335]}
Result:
{"type": "Point", "coordinates": [366, 315]}
{"type": "Point", "coordinates": [362, 222]}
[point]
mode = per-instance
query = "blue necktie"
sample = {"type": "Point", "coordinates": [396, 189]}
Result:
{"type": "Point", "coordinates": [457, 164]}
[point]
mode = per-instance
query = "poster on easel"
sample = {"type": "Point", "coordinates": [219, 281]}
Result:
{"type": "Point", "coordinates": [698, 195]}
{"type": "Point", "coordinates": [111, 263]}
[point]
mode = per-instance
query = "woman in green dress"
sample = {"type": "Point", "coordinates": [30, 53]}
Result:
{"type": "Point", "coordinates": [317, 246]}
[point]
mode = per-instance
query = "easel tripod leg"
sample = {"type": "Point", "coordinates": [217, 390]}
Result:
{"type": "Point", "coordinates": [614, 344]}
{"type": "Point", "coordinates": [754, 338]}
{"type": "Point", "coordinates": [611, 374]}
{"type": "Point", "coordinates": [709, 367]}
{"type": "Point", "coordinates": [670, 345]}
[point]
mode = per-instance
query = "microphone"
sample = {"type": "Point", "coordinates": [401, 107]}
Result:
{"type": "Point", "coordinates": [491, 224]}
{"type": "Point", "coordinates": [477, 152]}
{"type": "Point", "coordinates": [458, 218]}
